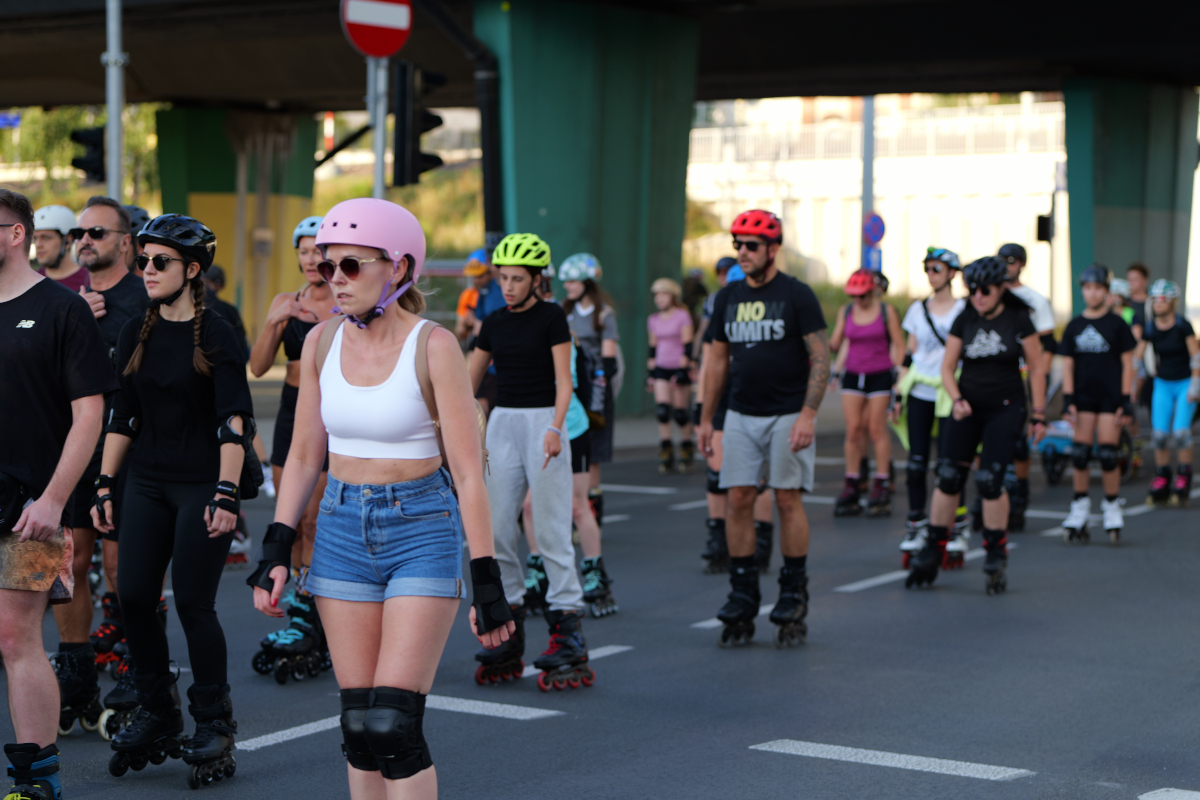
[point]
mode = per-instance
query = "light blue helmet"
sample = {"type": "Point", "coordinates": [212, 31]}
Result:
{"type": "Point", "coordinates": [947, 257]}
{"type": "Point", "coordinates": [307, 227]}
{"type": "Point", "coordinates": [735, 274]}
{"type": "Point", "coordinates": [580, 267]}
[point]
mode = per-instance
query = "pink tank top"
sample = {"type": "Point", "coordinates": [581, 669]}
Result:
{"type": "Point", "coordinates": [868, 344]}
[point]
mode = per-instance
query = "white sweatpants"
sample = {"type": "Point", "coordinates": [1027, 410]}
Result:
{"type": "Point", "coordinates": [516, 452]}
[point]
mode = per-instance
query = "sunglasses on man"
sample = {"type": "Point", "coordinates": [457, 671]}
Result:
{"type": "Point", "coordinates": [982, 291]}
{"type": "Point", "coordinates": [97, 233]}
{"type": "Point", "coordinates": [752, 246]}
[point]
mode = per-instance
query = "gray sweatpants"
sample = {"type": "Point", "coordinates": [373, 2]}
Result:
{"type": "Point", "coordinates": [516, 452]}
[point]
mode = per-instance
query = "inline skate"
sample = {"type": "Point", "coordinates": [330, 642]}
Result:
{"type": "Point", "coordinates": [716, 549]}
{"type": "Point", "coordinates": [298, 650]}
{"type": "Point", "coordinates": [914, 536]}
{"type": "Point", "coordinates": [687, 458]}
{"type": "Point", "coordinates": [1160, 488]}
{"type": "Point", "coordinates": [847, 503]}
{"type": "Point", "coordinates": [1075, 529]}
{"type": "Point", "coordinates": [960, 540]}
{"type": "Point", "coordinates": [879, 502]}
{"type": "Point", "coordinates": [155, 732]}
{"type": "Point", "coordinates": [209, 751]}
{"type": "Point", "coordinates": [666, 457]}
{"type": "Point", "coordinates": [741, 609]}
{"type": "Point", "coordinates": [78, 688]}
{"type": "Point", "coordinates": [504, 663]}
{"type": "Point", "coordinates": [995, 545]}
{"type": "Point", "coordinates": [1114, 518]}
{"type": "Point", "coordinates": [1181, 490]}
{"type": "Point", "coordinates": [923, 568]}
{"type": "Point", "coordinates": [596, 591]}
{"type": "Point", "coordinates": [764, 534]}
{"type": "Point", "coordinates": [34, 771]}
{"type": "Point", "coordinates": [564, 664]}
{"type": "Point", "coordinates": [792, 607]}
{"type": "Point", "coordinates": [110, 631]}
{"type": "Point", "coordinates": [121, 702]}
{"type": "Point", "coordinates": [536, 585]}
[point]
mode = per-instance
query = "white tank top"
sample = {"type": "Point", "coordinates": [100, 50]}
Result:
{"type": "Point", "coordinates": [388, 420]}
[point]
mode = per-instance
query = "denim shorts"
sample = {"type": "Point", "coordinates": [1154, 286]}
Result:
{"type": "Point", "coordinates": [376, 542]}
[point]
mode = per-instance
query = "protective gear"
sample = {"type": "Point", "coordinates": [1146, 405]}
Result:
{"type": "Point", "coordinates": [580, 267]}
{"type": "Point", "coordinates": [986, 271]}
{"type": "Point", "coordinates": [859, 283]}
{"type": "Point", "coordinates": [307, 227]}
{"type": "Point", "coordinates": [190, 237]}
{"type": "Point", "coordinates": [947, 257]}
{"type": "Point", "coordinates": [918, 465]}
{"type": "Point", "coordinates": [487, 591]}
{"type": "Point", "coordinates": [476, 264]}
{"type": "Point", "coordinates": [989, 480]}
{"type": "Point", "coordinates": [1048, 343]}
{"type": "Point", "coordinates": [394, 734]}
{"type": "Point", "coordinates": [757, 222]}
{"type": "Point", "coordinates": [1164, 288]}
{"type": "Point", "coordinates": [681, 416]}
{"type": "Point", "coordinates": [1096, 273]}
{"type": "Point", "coordinates": [735, 274]}
{"type": "Point", "coordinates": [126, 426]}
{"type": "Point", "coordinates": [697, 413]}
{"type": "Point", "coordinates": [1068, 400]}
{"type": "Point", "coordinates": [1106, 454]}
{"type": "Point", "coordinates": [1021, 449]}
{"type": "Point", "coordinates": [1183, 438]}
{"type": "Point", "coordinates": [1119, 286]}
{"type": "Point", "coordinates": [725, 264]}
{"type": "Point", "coordinates": [713, 486]}
{"type": "Point", "coordinates": [227, 435]}
{"type": "Point", "coordinates": [53, 218]}
{"type": "Point", "coordinates": [662, 412]}
{"type": "Point", "coordinates": [276, 551]}
{"type": "Point", "coordinates": [1014, 251]}
{"type": "Point", "coordinates": [666, 285]}
{"type": "Point", "coordinates": [1081, 454]}
{"type": "Point", "coordinates": [355, 703]}
{"type": "Point", "coordinates": [1161, 440]}
{"type": "Point", "coordinates": [522, 250]}
{"type": "Point", "coordinates": [1127, 406]}
{"type": "Point", "coordinates": [138, 218]}
{"type": "Point", "coordinates": [609, 363]}
{"type": "Point", "coordinates": [908, 359]}
{"type": "Point", "coordinates": [949, 477]}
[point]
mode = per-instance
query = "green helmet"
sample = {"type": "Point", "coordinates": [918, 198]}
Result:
{"type": "Point", "coordinates": [522, 250]}
{"type": "Point", "coordinates": [580, 267]}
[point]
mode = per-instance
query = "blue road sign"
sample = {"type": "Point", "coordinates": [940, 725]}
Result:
{"type": "Point", "coordinates": [10, 120]}
{"type": "Point", "coordinates": [872, 259]}
{"type": "Point", "coordinates": [873, 228]}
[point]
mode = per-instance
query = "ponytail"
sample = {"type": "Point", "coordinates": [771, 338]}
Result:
{"type": "Point", "coordinates": [199, 359]}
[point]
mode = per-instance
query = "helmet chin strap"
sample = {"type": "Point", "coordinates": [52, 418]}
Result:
{"type": "Point", "coordinates": [385, 300]}
{"type": "Point", "coordinates": [526, 300]}
{"type": "Point", "coordinates": [169, 300]}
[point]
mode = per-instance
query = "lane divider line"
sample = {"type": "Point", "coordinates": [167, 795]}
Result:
{"type": "Point", "coordinates": [608, 518]}
{"type": "Point", "coordinates": [713, 622]}
{"type": "Point", "coordinates": [599, 652]}
{"type": "Point", "coordinates": [879, 758]}
{"type": "Point", "coordinates": [1170, 794]}
{"type": "Point", "coordinates": [623, 488]}
{"type": "Point", "coordinates": [690, 505]}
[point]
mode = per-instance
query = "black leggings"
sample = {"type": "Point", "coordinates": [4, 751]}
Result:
{"type": "Point", "coordinates": [163, 523]}
{"type": "Point", "coordinates": [921, 420]}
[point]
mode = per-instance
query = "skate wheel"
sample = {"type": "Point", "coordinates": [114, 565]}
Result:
{"type": "Point", "coordinates": [89, 727]}
{"type": "Point", "coordinates": [281, 671]}
{"type": "Point", "coordinates": [314, 666]}
{"type": "Point", "coordinates": [230, 768]}
{"type": "Point", "coordinates": [542, 683]}
{"type": "Point", "coordinates": [65, 730]}
{"type": "Point", "coordinates": [139, 763]}
{"type": "Point", "coordinates": [103, 725]}
{"type": "Point", "coordinates": [299, 672]}
{"type": "Point", "coordinates": [588, 678]}
{"type": "Point", "coordinates": [574, 683]}
{"type": "Point", "coordinates": [194, 777]}
{"type": "Point", "coordinates": [781, 638]}
{"type": "Point", "coordinates": [262, 663]}
{"type": "Point", "coordinates": [118, 765]}
{"type": "Point", "coordinates": [158, 757]}
{"type": "Point", "coordinates": [480, 678]}
{"type": "Point", "coordinates": [905, 559]}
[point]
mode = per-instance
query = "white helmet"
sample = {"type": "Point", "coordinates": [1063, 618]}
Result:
{"type": "Point", "coordinates": [54, 218]}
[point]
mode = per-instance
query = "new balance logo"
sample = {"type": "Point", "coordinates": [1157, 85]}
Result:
{"type": "Point", "coordinates": [25, 323]}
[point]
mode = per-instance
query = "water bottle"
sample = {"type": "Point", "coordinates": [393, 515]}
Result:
{"type": "Point", "coordinates": [599, 384]}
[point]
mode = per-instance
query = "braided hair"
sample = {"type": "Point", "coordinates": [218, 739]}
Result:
{"type": "Point", "coordinates": [199, 359]}
{"type": "Point", "coordinates": [148, 321]}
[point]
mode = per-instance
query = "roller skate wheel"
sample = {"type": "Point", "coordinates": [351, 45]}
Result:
{"type": "Point", "coordinates": [102, 725]}
{"type": "Point", "coordinates": [194, 777]}
{"type": "Point", "coordinates": [87, 726]}
{"type": "Point", "coordinates": [588, 678]}
{"type": "Point", "coordinates": [905, 559]}
{"type": "Point", "coordinates": [65, 730]}
{"type": "Point", "coordinates": [158, 757]}
{"type": "Point", "coordinates": [299, 672]}
{"type": "Point", "coordinates": [574, 683]}
{"type": "Point", "coordinates": [118, 765]}
{"type": "Point", "coordinates": [230, 768]}
{"type": "Point", "coordinates": [262, 663]}
{"type": "Point", "coordinates": [480, 678]}
{"type": "Point", "coordinates": [138, 763]}
{"type": "Point", "coordinates": [542, 683]}
{"type": "Point", "coordinates": [281, 671]}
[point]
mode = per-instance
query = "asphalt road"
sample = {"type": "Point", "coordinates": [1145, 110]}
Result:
{"type": "Point", "coordinates": [1079, 682]}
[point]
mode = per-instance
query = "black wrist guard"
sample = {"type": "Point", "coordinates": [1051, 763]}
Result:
{"type": "Point", "coordinates": [1037, 420]}
{"type": "Point", "coordinates": [98, 501]}
{"type": "Point", "coordinates": [651, 354]}
{"type": "Point", "coordinates": [491, 609]}
{"type": "Point", "coordinates": [1068, 400]}
{"type": "Point", "coordinates": [697, 412]}
{"type": "Point", "coordinates": [610, 366]}
{"type": "Point", "coordinates": [223, 503]}
{"type": "Point", "coordinates": [105, 482]}
{"type": "Point", "coordinates": [1127, 406]}
{"type": "Point", "coordinates": [276, 551]}
{"type": "Point", "coordinates": [907, 360]}
{"type": "Point", "coordinates": [687, 350]}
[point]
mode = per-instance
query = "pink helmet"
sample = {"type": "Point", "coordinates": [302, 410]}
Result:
{"type": "Point", "coordinates": [383, 225]}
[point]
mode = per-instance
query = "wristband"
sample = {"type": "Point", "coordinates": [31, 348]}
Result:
{"type": "Point", "coordinates": [228, 488]}
{"type": "Point", "coordinates": [1127, 406]}
{"type": "Point", "coordinates": [556, 430]}
{"type": "Point", "coordinates": [487, 589]}
{"type": "Point", "coordinates": [957, 400]}
{"type": "Point", "coordinates": [105, 482]}
{"type": "Point", "coordinates": [907, 360]}
{"type": "Point", "coordinates": [1034, 411]}
{"type": "Point", "coordinates": [610, 366]}
{"type": "Point", "coordinates": [1038, 421]}
{"type": "Point", "coordinates": [276, 551]}
{"type": "Point", "coordinates": [650, 355]}
{"type": "Point", "coordinates": [687, 351]}
{"type": "Point", "coordinates": [1068, 400]}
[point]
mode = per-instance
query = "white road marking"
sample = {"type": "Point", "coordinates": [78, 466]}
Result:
{"type": "Point", "coordinates": [599, 652]}
{"type": "Point", "coordinates": [620, 487]}
{"type": "Point", "coordinates": [713, 622]}
{"type": "Point", "coordinates": [327, 724]}
{"type": "Point", "coordinates": [1170, 794]}
{"type": "Point", "coordinates": [690, 505]}
{"type": "Point", "coordinates": [878, 758]}
{"type": "Point", "coordinates": [900, 574]}
{"type": "Point", "coordinates": [615, 518]}
{"type": "Point", "coordinates": [816, 499]}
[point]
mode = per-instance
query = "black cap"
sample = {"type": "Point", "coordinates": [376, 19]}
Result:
{"type": "Point", "coordinates": [1013, 251]}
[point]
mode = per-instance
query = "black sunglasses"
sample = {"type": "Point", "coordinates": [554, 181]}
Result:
{"type": "Point", "coordinates": [160, 261]}
{"type": "Point", "coordinates": [983, 291]}
{"type": "Point", "coordinates": [350, 267]}
{"type": "Point", "coordinates": [936, 268]}
{"type": "Point", "coordinates": [738, 244]}
{"type": "Point", "coordinates": [97, 233]}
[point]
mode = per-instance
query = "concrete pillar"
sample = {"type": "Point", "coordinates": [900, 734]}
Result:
{"type": "Point", "coordinates": [596, 108]}
{"type": "Point", "coordinates": [1131, 159]}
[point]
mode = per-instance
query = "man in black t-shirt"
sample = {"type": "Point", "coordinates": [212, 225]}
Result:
{"type": "Point", "coordinates": [54, 372]}
{"type": "Point", "coordinates": [770, 342]}
{"type": "Point", "coordinates": [214, 282]}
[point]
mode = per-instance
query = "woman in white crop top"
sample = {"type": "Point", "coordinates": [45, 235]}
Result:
{"type": "Point", "coordinates": [387, 562]}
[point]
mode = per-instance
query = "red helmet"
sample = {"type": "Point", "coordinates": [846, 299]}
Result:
{"type": "Point", "coordinates": [860, 282]}
{"type": "Point", "coordinates": [757, 222]}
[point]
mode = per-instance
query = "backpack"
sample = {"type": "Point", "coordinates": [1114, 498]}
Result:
{"type": "Point", "coordinates": [589, 392]}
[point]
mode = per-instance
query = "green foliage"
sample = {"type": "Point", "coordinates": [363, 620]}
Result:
{"type": "Point", "coordinates": [701, 221]}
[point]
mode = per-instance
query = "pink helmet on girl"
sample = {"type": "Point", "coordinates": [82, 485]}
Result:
{"type": "Point", "coordinates": [382, 225]}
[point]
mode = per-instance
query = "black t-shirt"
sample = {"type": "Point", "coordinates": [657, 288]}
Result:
{"type": "Point", "coordinates": [991, 357]}
{"type": "Point", "coordinates": [50, 354]}
{"type": "Point", "coordinates": [229, 313]}
{"type": "Point", "coordinates": [125, 300]}
{"type": "Point", "coordinates": [765, 328]}
{"type": "Point", "coordinates": [1097, 345]}
{"type": "Point", "coordinates": [1170, 349]}
{"type": "Point", "coordinates": [178, 410]}
{"type": "Point", "coordinates": [520, 347]}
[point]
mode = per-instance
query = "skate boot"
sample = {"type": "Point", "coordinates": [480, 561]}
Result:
{"type": "Point", "coordinates": [764, 533]}
{"type": "Point", "coordinates": [596, 591]}
{"type": "Point", "coordinates": [156, 730]}
{"type": "Point", "coordinates": [666, 457]}
{"type": "Point", "coordinates": [1160, 488]}
{"type": "Point", "coordinates": [687, 458]}
{"type": "Point", "coordinates": [78, 688]}
{"type": "Point", "coordinates": [960, 540]}
{"type": "Point", "coordinates": [596, 503]}
{"type": "Point", "coordinates": [716, 550]}
{"type": "Point", "coordinates": [505, 662]}
{"type": "Point", "coordinates": [564, 664]}
{"type": "Point", "coordinates": [914, 536]}
{"type": "Point", "coordinates": [110, 631]}
{"type": "Point", "coordinates": [209, 751]}
{"type": "Point", "coordinates": [741, 609]}
{"type": "Point", "coordinates": [34, 771]}
{"type": "Point", "coordinates": [121, 702]}
{"type": "Point", "coordinates": [1181, 490]}
{"type": "Point", "coordinates": [924, 567]}
{"type": "Point", "coordinates": [536, 585]}
{"type": "Point", "coordinates": [995, 544]}
{"type": "Point", "coordinates": [847, 504]}
{"type": "Point", "coordinates": [1018, 499]}
{"type": "Point", "coordinates": [298, 650]}
{"type": "Point", "coordinates": [879, 503]}
{"type": "Point", "coordinates": [1075, 525]}
{"type": "Point", "coordinates": [792, 607]}
{"type": "Point", "coordinates": [1114, 518]}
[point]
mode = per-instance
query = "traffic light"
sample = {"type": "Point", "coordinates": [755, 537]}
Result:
{"type": "Point", "coordinates": [1045, 228]}
{"type": "Point", "coordinates": [92, 160]}
{"type": "Point", "coordinates": [411, 84]}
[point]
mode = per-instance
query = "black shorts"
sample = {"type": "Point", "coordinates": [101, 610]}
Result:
{"type": "Point", "coordinates": [78, 513]}
{"type": "Point", "coordinates": [869, 384]}
{"type": "Point", "coordinates": [285, 424]}
{"type": "Point", "coordinates": [997, 430]}
{"type": "Point", "coordinates": [664, 374]}
{"type": "Point", "coordinates": [581, 453]}
{"type": "Point", "coordinates": [1097, 404]}
{"type": "Point", "coordinates": [488, 389]}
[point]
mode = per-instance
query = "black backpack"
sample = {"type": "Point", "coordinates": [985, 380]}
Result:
{"type": "Point", "coordinates": [586, 389]}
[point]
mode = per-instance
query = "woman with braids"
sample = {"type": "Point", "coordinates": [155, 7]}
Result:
{"type": "Point", "coordinates": [182, 418]}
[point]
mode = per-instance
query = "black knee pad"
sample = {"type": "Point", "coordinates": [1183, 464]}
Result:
{"type": "Point", "coordinates": [714, 482]}
{"type": "Point", "coordinates": [1081, 453]}
{"type": "Point", "coordinates": [682, 417]}
{"type": "Point", "coordinates": [1021, 451]}
{"type": "Point", "coordinates": [1106, 454]}
{"type": "Point", "coordinates": [949, 477]}
{"type": "Point", "coordinates": [393, 732]}
{"type": "Point", "coordinates": [662, 412]}
{"type": "Point", "coordinates": [355, 703]}
{"type": "Point", "coordinates": [989, 480]}
{"type": "Point", "coordinates": [917, 467]}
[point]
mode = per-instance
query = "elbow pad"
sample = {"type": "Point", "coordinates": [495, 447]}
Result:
{"type": "Point", "coordinates": [1048, 343]}
{"type": "Point", "coordinates": [126, 426]}
{"type": "Point", "coordinates": [227, 435]}
{"type": "Point", "coordinates": [276, 550]}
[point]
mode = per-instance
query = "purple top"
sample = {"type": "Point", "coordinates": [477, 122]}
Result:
{"type": "Point", "coordinates": [668, 331]}
{"type": "Point", "coordinates": [868, 344]}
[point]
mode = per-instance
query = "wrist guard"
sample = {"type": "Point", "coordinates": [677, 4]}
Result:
{"type": "Point", "coordinates": [105, 482]}
{"type": "Point", "coordinates": [276, 551]}
{"type": "Point", "coordinates": [907, 360]}
{"type": "Point", "coordinates": [609, 363]}
{"type": "Point", "coordinates": [491, 609]}
{"type": "Point", "coordinates": [697, 412]}
{"type": "Point", "coordinates": [1068, 400]}
{"type": "Point", "coordinates": [687, 351]}
{"type": "Point", "coordinates": [1127, 406]}
{"type": "Point", "coordinates": [652, 351]}
{"type": "Point", "coordinates": [98, 501]}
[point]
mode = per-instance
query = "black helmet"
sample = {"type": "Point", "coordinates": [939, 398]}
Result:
{"type": "Point", "coordinates": [1013, 251]}
{"type": "Point", "coordinates": [880, 280]}
{"type": "Point", "coordinates": [725, 264]}
{"type": "Point", "coordinates": [192, 238]}
{"type": "Point", "coordinates": [1096, 273]}
{"type": "Point", "coordinates": [986, 271]}
{"type": "Point", "coordinates": [138, 217]}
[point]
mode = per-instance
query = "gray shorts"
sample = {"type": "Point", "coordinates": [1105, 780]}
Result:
{"type": "Point", "coordinates": [757, 447]}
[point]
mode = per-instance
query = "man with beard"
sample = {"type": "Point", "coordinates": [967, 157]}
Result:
{"type": "Point", "coordinates": [52, 245]}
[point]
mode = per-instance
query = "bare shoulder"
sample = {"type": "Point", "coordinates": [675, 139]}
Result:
{"type": "Point", "coordinates": [442, 343]}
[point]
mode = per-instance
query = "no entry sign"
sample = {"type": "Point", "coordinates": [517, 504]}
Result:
{"type": "Point", "coordinates": [377, 28]}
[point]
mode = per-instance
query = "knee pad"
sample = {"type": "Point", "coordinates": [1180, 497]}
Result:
{"type": "Point", "coordinates": [1183, 438]}
{"type": "Point", "coordinates": [1161, 440]}
{"type": "Point", "coordinates": [949, 477]}
{"type": "Point", "coordinates": [682, 417]}
{"type": "Point", "coordinates": [662, 412]}
{"type": "Point", "coordinates": [989, 480]}
{"type": "Point", "coordinates": [714, 482]}
{"type": "Point", "coordinates": [355, 703]}
{"type": "Point", "coordinates": [1021, 451]}
{"type": "Point", "coordinates": [393, 732]}
{"type": "Point", "coordinates": [1107, 456]}
{"type": "Point", "coordinates": [1080, 455]}
{"type": "Point", "coordinates": [917, 467]}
